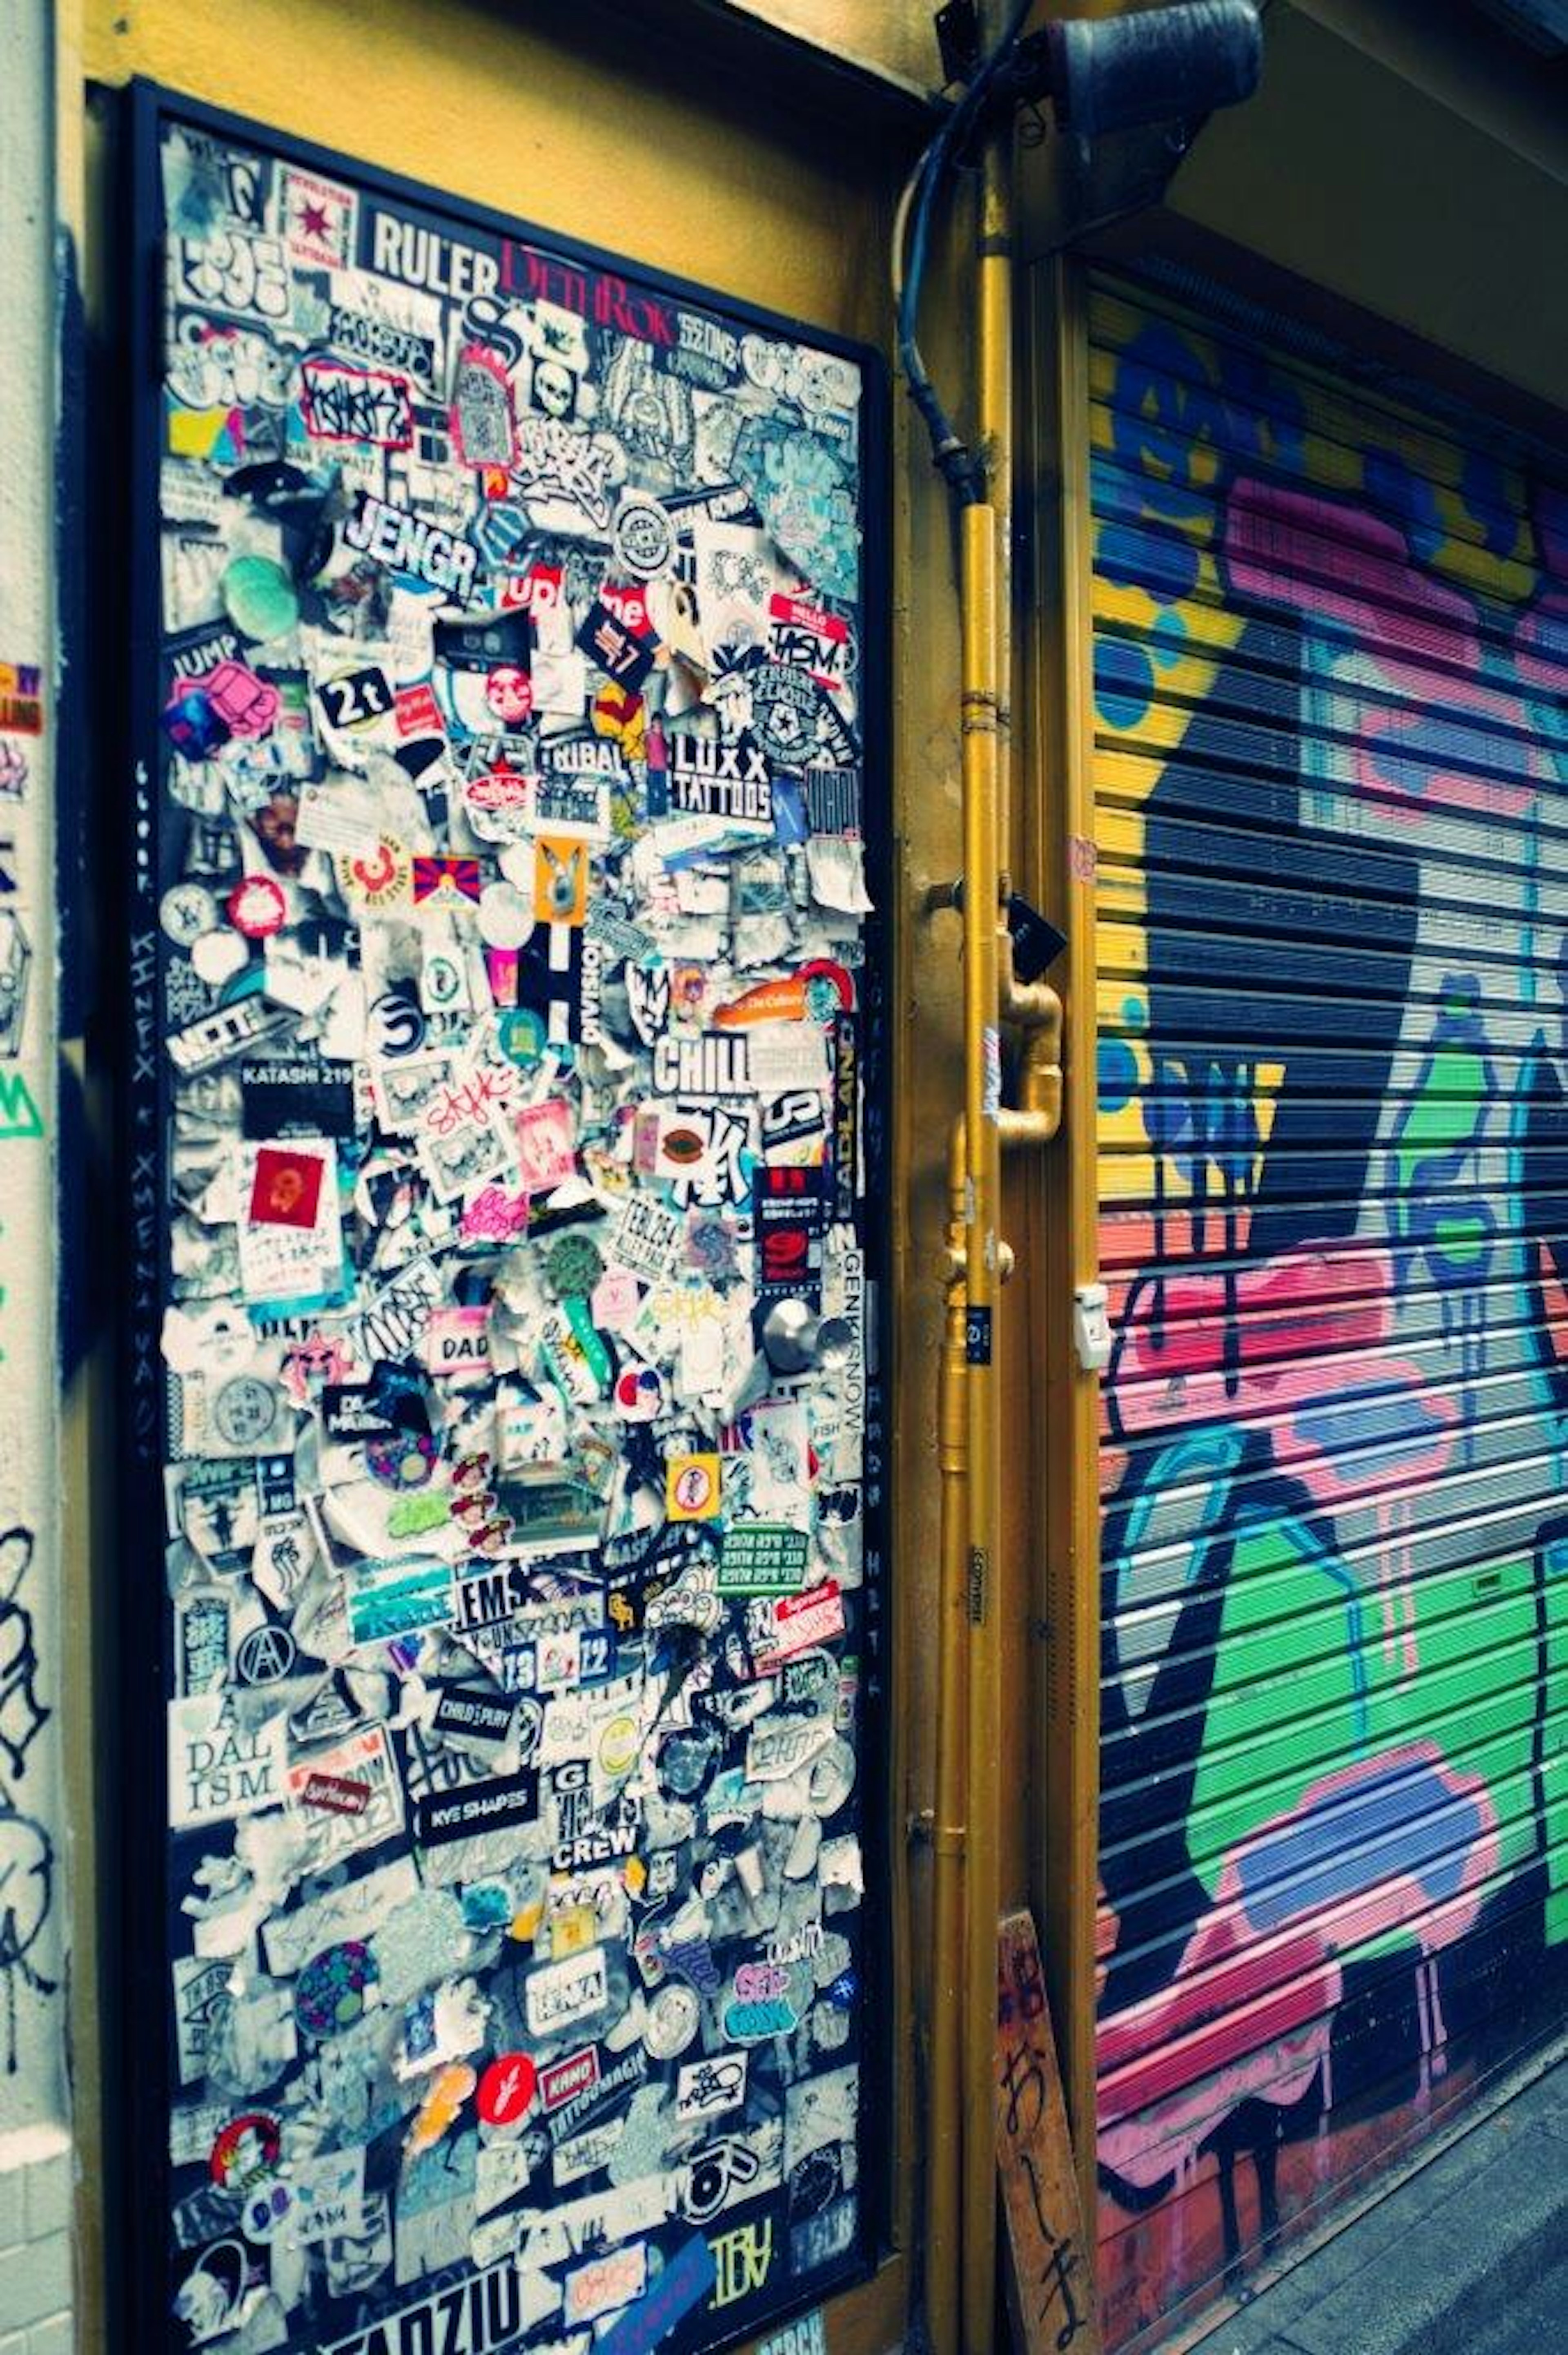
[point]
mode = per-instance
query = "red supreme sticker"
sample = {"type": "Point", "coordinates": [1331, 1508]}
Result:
{"type": "Point", "coordinates": [337, 1793]}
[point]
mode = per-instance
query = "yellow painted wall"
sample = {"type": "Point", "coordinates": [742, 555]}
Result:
{"type": "Point", "coordinates": [579, 125]}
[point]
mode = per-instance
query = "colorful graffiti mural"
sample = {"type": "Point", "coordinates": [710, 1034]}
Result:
{"type": "Point", "coordinates": [1331, 683]}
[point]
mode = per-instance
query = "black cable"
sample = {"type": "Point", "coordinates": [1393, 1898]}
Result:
{"type": "Point", "coordinates": [957, 464]}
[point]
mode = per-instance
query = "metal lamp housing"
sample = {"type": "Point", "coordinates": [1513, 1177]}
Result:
{"type": "Point", "coordinates": [1153, 65]}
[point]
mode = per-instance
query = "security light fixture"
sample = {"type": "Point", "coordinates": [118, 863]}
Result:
{"type": "Point", "coordinates": [1100, 75]}
{"type": "Point", "coordinates": [1151, 65]}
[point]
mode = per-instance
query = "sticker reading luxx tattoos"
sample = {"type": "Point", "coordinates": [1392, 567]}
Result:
{"type": "Point", "coordinates": [519, 1443]}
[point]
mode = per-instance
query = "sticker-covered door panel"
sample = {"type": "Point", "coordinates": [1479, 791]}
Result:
{"type": "Point", "coordinates": [505, 926]}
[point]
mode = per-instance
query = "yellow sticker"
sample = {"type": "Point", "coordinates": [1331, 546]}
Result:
{"type": "Point", "coordinates": [618, 1745]}
{"type": "Point", "coordinates": [692, 1488]}
{"type": "Point", "coordinates": [573, 1930]}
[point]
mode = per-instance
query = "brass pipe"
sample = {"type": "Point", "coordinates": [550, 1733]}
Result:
{"type": "Point", "coordinates": [945, 2058]}
{"type": "Point", "coordinates": [1029, 1004]}
{"type": "Point", "coordinates": [967, 1892]}
{"type": "Point", "coordinates": [1038, 1113]}
{"type": "Point", "coordinates": [1034, 1122]}
{"type": "Point", "coordinates": [1035, 1008]}
{"type": "Point", "coordinates": [983, 1089]}
{"type": "Point", "coordinates": [994, 356]}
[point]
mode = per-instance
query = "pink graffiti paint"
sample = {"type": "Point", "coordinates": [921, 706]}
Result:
{"type": "Point", "coordinates": [1172, 2071]}
{"type": "Point", "coordinates": [1344, 566]}
{"type": "Point", "coordinates": [1403, 1842]}
{"type": "Point", "coordinates": [1201, 1346]}
{"type": "Point", "coordinates": [1351, 570]}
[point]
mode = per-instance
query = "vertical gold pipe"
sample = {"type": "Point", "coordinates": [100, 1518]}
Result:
{"type": "Point", "coordinates": [995, 353]}
{"type": "Point", "coordinates": [943, 2257]}
{"type": "Point", "coordinates": [987, 640]}
{"type": "Point", "coordinates": [1066, 1877]}
{"type": "Point", "coordinates": [981, 1191]}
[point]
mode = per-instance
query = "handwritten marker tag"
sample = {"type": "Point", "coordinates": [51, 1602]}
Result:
{"type": "Point", "coordinates": [1050, 2272]}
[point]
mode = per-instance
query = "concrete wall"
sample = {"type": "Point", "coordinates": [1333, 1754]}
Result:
{"type": "Point", "coordinates": [35, 2100]}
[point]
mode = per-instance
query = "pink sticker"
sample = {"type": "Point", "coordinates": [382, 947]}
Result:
{"type": "Point", "coordinates": [457, 1341]}
{"type": "Point", "coordinates": [501, 969]}
{"type": "Point", "coordinates": [494, 1216]}
{"type": "Point", "coordinates": [257, 907]}
{"type": "Point", "coordinates": [545, 1145]}
{"type": "Point", "coordinates": [509, 691]}
{"type": "Point", "coordinates": [417, 712]}
{"type": "Point", "coordinates": [615, 1300]}
{"type": "Point", "coordinates": [482, 418]}
{"type": "Point", "coordinates": [500, 788]}
{"type": "Point", "coordinates": [247, 704]}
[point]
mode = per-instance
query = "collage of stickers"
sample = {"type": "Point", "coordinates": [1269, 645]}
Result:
{"type": "Point", "coordinates": [512, 966]}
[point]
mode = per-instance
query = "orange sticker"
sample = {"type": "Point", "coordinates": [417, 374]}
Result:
{"type": "Point", "coordinates": [815, 992]}
{"type": "Point", "coordinates": [441, 2106]}
{"type": "Point", "coordinates": [560, 879]}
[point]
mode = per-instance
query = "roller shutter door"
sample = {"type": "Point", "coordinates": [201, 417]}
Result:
{"type": "Point", "coordinates": [1331, 657]}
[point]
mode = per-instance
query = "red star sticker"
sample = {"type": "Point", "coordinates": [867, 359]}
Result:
{"type": "Point", "coordinates": [313, 220]}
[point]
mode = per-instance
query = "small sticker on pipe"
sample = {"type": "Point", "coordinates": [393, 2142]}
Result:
{"type": "Point", "coordinates": [991, 1048]}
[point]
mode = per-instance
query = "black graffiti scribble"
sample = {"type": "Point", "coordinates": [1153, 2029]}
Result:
{"type": "Point", "coordinates": [1024, 2077]}
{"type": "Point", "coordinates": [27, 1897]}
{"type": "Point", "coordinates": [1061, 2261]}
{"type": "Point", "coordinates": [347, 406]}
{"type": "Point", "coordinates": [1022, 1996]}
{"type": "Point", "coordinates": [22, 1715]}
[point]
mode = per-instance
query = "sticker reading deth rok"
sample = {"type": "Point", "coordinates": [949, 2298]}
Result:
{"type": "Point", "coordinates": [504, 1230]}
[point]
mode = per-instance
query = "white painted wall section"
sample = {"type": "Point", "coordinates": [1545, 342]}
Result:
{"type": "Point", "coordinates": [36, 2155]}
